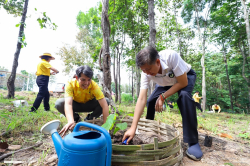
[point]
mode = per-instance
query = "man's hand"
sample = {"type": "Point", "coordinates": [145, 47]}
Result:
{"type": "Point", "coordinates": [130, 133]}
{"type": "Point", "coordinates": [159, 105]}
{"type": "Point", "coordinates": [68, 126]}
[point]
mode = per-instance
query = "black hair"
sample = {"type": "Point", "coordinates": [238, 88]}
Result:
{"type": "Point", "coordinates": [197, 91]}
{"type": "Point", "coordinates": [86, 70]}
{"type": "Point", "coordinates": [46, 57]}
{"type": "Point", "coordinates": [147, 55]}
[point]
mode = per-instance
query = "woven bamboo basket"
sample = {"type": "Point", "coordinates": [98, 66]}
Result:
{"type": "Point", "coordinates": [167, 153]}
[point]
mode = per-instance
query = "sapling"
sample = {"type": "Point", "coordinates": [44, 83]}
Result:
{"type": "Point", "coordinates": [110, 122]}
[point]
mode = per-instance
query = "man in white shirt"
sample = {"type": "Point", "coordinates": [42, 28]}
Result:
{"type": "Point", "coordinates": [172, 74]}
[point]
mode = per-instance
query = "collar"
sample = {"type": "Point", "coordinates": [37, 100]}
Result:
{"type": "Point", "coordinates": [164, 67]}
{"type": "Point", "coordinates": [77, 83]}
{"type": "Point", "coordinates": [44, 60]}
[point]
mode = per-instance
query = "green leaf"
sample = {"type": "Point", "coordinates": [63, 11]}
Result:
{"type": "Point", "coordinates": [122, 126]}
{"type": "Point", "coordinates": [109, 122]}
{"type": "Point", "coordinates": [35, 9]}
{"type": "Point", "coordinates": [17, 25]}
{"type": "Point", "coordinates": [131, 115]}
{"type": "Point", "coordinates": [116, 129]}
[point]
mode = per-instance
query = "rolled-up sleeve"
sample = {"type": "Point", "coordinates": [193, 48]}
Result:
{"type": "Point", "coordinates": [144, 81]}
{"type": "Point", "coordinates": [69, 90]}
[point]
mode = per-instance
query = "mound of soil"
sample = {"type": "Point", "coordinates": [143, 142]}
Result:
{"type": "Point", "coordinates": [142, 138]}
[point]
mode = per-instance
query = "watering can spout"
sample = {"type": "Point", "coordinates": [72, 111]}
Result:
{"type": "Point", "coordinates": [51, 128]}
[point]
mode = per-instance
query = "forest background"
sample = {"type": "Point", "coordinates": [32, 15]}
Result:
{"type": "Point", "coordinates": [212, 36]}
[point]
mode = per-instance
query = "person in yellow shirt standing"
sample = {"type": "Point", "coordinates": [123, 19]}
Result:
{"type": "Point", "coordinates": [216, 107]}
{"type": "Point", "coordinates": [82, 94]}
{"type": "Point", "coordinates": [42, 81]}
{"type": "Point", "coordinates": [197, 99]}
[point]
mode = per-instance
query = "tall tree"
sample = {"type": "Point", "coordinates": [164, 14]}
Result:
{"type": "Point", "coordinates": [152, 34]}
{"type": "Point", "coordinates": [11, 80]}
{"type": "Point", "coordinates": [197, 7]}
{"type": "Point", "coordinates": [246, 17]}
{"type": "Point", "coordinates": [106, 59]}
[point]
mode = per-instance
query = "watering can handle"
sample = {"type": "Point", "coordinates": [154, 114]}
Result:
{"type": "Point", "coordinates": [102, 130]}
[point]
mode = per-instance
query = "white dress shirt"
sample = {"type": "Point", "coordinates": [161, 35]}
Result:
{"type": "Point", "coordinates": [172, 66]}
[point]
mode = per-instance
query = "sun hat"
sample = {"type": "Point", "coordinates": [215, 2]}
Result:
{"type": "Point", "coordinates": [47, 54]}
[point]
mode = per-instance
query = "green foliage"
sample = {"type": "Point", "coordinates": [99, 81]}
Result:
{"type": "Point", "coordinates": [244, 135]}
{"type": "Point", "coordinates": [31, 81]}
{"type": "Point", "coordinates": [14, 7]}
{"type": "Point", "coordinates": [109, 122]}
{"type": "Point", "coordinates": [90, 35]}
{"type": "Point", "coordinates": [127, 98]}
{"type": "Point", "coordinates": [45, 22]}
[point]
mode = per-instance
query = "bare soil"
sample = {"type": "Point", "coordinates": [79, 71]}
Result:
{"type": "Point", "coordinates": [142, 138]}
{"type": "Point", "coordinates": [222, 152]}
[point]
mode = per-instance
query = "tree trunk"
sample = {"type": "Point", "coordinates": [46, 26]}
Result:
{"type": "Point", "coordinates": [114, 74]}
{"type": "Point", "coordinates": [228, 80]}
{"type": "Point", "coordinates": [11, 80]}
{"type": "Point", "coordinates": [119, 79]}
{"type": "Point", "coordinates": [246, 14]}
{"type": "Point", "coordinates": [243, 73]}
{"type": "Point", "coordinates": [116, 79]}
{"type": "Point", "coordinates": [152, 34]}
{"type": "Point", "coordinates": [204, 96]}
{"type": "Point", "coordinates": [247, 24]}
{"type": "Point", "coordinates": [151, 18]}
{"type": "Point", "coordinates": [178, 32]}
{"type": "Point", "coordinates": [133, 95]}
{"type": "Point", "coordinates": [105, 53]}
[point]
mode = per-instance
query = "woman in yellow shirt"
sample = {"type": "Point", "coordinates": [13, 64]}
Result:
{"type": "Point", "coordinates": [216, 107]}
{"type": "Point", "coordinates": [42, 81]}
{"type": "Point", "coordinates": [197, 99]}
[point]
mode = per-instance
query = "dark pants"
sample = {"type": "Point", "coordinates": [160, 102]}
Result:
{"type": "Point", "coordinates": [186, 105]}
{"type": "Point", "coordinates": [90, 106]}
{"type": "Point", "coordinates": [43, 94]}
{"type": "Point", "coordinates": [198, 106]}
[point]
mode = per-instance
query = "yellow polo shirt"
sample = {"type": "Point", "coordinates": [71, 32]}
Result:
{"type": "Point", "coordinates": [216, 107]}
{"type": "Point", "coordinates": [196, 97]}
{"type": "Point", "coordinates": [83, 95]}
{"type": "Point", "coordinates": [43, 68]}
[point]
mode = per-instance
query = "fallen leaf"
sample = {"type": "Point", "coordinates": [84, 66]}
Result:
{"type": "Point", "coordinates": [3, 146]}
{"type": "Point", "coordinates": [176, 125]}
{"type": "Point", "coordinates": [202, 131]}
{"type": "Point", "coordinates": [14, 147]}
{"type": "Point", "coordinates": [225, 135]}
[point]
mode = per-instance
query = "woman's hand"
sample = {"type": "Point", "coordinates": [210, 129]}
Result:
{"type": "Point", "coordinates": [68, 126]}
{"type": "Point", "coordinates": [130, 133]}
{"type": "Point", "coordinates": [159, 105]}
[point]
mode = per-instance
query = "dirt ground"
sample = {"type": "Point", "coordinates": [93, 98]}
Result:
{"type": "Point", "coordinates": [222, 152]}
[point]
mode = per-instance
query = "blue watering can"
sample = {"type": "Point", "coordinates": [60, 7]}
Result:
{"type": "Point", "coordinates": [88, 148]}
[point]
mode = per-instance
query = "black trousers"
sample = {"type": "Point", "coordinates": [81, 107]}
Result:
{"type": "Point", "coordinates": [198, 106]}
{"type": "Point", "coordinates": [186, 105]}
{"type": "Point", "coordinates": [43, 94]}
{"type": "Point", "coordinates": [92, 105]}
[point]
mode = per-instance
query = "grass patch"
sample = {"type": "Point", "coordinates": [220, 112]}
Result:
{"type": "Point", "coordinates": [25, 127]}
